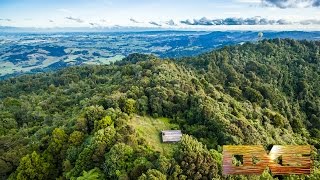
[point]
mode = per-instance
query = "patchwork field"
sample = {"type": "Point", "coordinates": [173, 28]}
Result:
{"type": "Point", "coordinates": [22, 53]}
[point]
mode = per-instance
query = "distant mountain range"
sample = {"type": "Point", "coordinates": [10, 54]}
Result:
{"type": "Point", "coordinates": [163, 26]}
{"type": "Point", "coordinates": [78, 29]}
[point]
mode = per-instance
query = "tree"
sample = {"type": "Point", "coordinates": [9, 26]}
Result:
{"type": "Point", "coordinates": [142, 105]}
{"type": "Point", "coordinates": [93, 113]}
{"type": "Point", "coordinates": [129, 106]}
{"type": "Point", "coordinates": [103, 139]}
{"type": "Point", "coordinates": [103, 123]}
{"type": "Point", "coordinates": [140, 165]}
{"type": "Point", "coordinates": [33, 166]}
{"type": "Point", "coordinates": [7, 122]}
{"type": "Point", "coordinates": [253, 95]}
{"type": "Point", "coordinates": [76, 138]}
{"type": "Point", "coordinates": [83, 162]}
{"type": "Point", "coordinates": [105, 135]}
{"type": "Point", "coordinates": [93, 174]}
{"type": "Point", "coordinates": [195, 160]}
{"type": "Point", "coordinates": [58, 140]}
{"type": "Point", "coordinates": [163, 164]}
{"type": "Point", "coordinates": [153, 174]}
{"type": "Point", "coordinates": [117, 161]}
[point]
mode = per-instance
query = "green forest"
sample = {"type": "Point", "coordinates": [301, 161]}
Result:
{"type": "Point", "coordinates": [104, 121]}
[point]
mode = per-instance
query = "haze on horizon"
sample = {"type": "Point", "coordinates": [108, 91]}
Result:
{"type": "Point", "coordinates": [178, 14]}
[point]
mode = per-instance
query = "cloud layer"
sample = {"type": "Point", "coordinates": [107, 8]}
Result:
{"type": "Point", "coordinates": [231, 21]}
{"type": "Point", "coordinates": [155, 23]}
{"type": "Point", "coordinates": [5, 19]}
{"type": "Point", "coordinates": [134, 21]}
{"type": "Point", "coordinates": [170, 23]}
{"type": "Point", "coordinates": [291, 3]}
{"type": "Point", "coordinates": [235, 21]}
{"type": "Point", "coordinates": [78, 20]}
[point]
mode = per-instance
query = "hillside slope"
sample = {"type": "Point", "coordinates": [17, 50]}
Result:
{"type": "Point", "coordinates": [81, 121]}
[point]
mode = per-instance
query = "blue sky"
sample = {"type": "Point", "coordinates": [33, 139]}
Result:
{"type": "Point", "coordinates": [158, 13]}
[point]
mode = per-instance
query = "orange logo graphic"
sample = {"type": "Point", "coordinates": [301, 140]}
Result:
{"type": "Point", "coordinates": [282, 160]}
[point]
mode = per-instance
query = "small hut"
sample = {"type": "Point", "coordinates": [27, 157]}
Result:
{"type": "Point", "coordinates": [171, 135]}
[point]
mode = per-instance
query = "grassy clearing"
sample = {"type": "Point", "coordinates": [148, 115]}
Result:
{"type": "Point", "coordinates": [150, 129]}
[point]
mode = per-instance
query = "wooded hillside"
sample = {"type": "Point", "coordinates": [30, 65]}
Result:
{"type": "Point", "coordinates": [80, 122]}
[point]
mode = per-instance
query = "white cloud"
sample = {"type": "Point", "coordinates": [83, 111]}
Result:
{"type": "Point", "coordinates": [67, 11]}
{"type": "Point", "coordinates": [249, 1]}
{"type": "Point", "coordinates": [78, 20]}
{"type": "Point", "coordinates": [283, 4]}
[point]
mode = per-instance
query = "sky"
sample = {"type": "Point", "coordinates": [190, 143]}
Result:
{"type": "Point", "coordinates": [175, 14]}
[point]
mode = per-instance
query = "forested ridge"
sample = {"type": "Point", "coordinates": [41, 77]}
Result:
{"type": "Point", "coordinates": [76, 123]}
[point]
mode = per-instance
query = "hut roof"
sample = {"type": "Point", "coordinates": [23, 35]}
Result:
{"type": "Point", "coordinates": [171, 135]}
